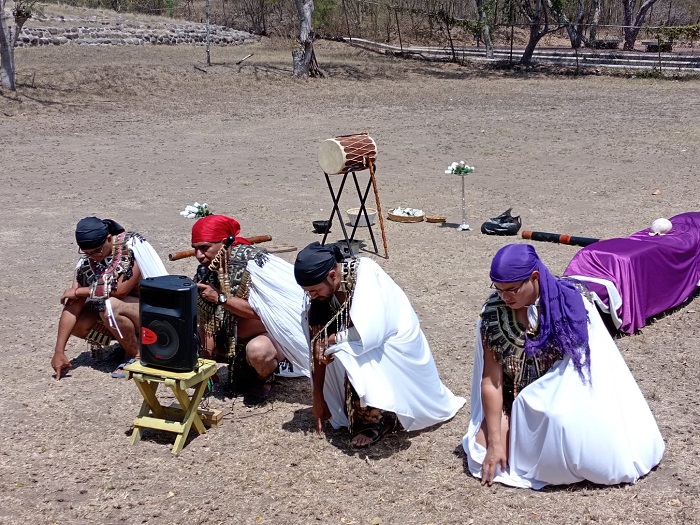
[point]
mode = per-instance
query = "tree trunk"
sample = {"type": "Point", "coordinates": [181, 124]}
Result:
{"type": "Point", "coordinates": [303, 55]}
{"type": "Point", "coordinates": [485, 28]}
{"type": "Point", "coordinates": [632, 27]}
{"type": "Point", "coordinates": [7, 55]}
{"type": "Point", "coordinates": [8, 40]}
{"type": "Point", "coordinates": [533, 14]}
{"type": "Point", "coordinates": [595, 21]}
{"type": "Point", "coordinates": [575, 28]}
{"type": "Point", "coordinates": [537, 13]}
{"type": "Point", "coordinates": [535, 36]}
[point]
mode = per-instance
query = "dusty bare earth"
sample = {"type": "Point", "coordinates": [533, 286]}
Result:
{"type": "Point", "coordinates": [135, 134]}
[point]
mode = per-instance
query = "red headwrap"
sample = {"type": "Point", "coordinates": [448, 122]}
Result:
{"type": "Point", "coordinates": [215, 228]}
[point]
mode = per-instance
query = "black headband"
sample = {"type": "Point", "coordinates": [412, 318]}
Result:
{"type": "Point", "coordinates": [92, 232]}
{"type": "Point", "coordinates": [314, 262]}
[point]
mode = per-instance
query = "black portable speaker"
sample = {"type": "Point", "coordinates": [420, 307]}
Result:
{"type": "Point", "coordinates": [168, 313]}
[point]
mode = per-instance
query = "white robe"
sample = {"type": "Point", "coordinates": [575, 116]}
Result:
{"type": "Point", "coordinates": [563, 431]}
{"type": "Point", "coordinates": [391, 367]}
{"type": "Point", "coordinates": [280, 303]}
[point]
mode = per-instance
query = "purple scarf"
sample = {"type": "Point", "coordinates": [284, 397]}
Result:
{"type": "Point", "coordinates": [563, 316]}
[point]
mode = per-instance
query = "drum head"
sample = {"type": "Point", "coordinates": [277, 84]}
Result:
{"type": "Point", "coordinates": [331, 156]}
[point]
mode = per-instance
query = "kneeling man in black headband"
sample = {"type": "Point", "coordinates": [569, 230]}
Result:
{"type": "Point", "coordinates": [102, 304]}
{"type": "Point", "coordinates": [372, 368]}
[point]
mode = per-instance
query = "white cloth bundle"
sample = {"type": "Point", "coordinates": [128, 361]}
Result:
{"type": "Point", "coordinates": [279, 302]}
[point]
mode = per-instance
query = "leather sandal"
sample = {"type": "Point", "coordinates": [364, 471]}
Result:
{"type": "Point", "coordinates": [375, 431]}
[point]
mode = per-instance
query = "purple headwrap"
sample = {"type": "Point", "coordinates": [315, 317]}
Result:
{"type": "Point", "coordinates": [563, 316]}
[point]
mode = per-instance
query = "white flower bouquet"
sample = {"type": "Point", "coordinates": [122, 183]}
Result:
{"type": "Point", "coordinates": [459, 168]}
{"type": "Point", "coordinates": [196, 210]}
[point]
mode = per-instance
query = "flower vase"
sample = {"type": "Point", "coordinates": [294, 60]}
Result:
{"type": "Point", "coordinates": [464, 226]}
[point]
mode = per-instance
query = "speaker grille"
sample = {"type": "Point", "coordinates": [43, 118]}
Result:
{"type": "Point", "coordinates": [167, 341]}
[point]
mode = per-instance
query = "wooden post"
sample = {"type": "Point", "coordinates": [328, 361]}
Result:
{"type": "Point", "coordinates": [379, 207]}
{"type": "Point", "coordinates": [208, 34]}
{"type": "Point", "coordinates": [398, 29]}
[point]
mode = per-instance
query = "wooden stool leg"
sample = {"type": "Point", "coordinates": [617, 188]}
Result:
{"type": "Point", "coordinates": [148, 391]}
{"type": "Point", "coordinates": [150, 404]}
{"type": "Point", "coordinates": [191, 416]}
{"type": "Point", "coordinates": [186, 404]}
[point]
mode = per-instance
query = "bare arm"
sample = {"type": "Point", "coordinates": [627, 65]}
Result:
{"type": "Point", "coordinates": [318, 378]}
{"type": "Point", "coordinates": [74, 292]}
{"type": "Point", "coordinates": [126, 287]}
{"type": "Point", "coordinates": [492, 399]}
{"type": "Point", "coordinates": [73, 301]}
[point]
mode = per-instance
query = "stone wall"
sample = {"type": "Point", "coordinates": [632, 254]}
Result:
{"type": "Point", "coordinates": [91, 31]}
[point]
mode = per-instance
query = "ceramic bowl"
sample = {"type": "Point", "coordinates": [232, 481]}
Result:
{"type": "Point", "coordinates": [321, 226]}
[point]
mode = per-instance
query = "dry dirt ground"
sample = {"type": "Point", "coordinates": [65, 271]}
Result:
{"type": "Point", "coordinates": [135, 134]}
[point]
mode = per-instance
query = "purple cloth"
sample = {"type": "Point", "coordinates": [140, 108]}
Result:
{"type": "Point", "coordinates": [651, 273]}
{"type": "Point", "coordinates": [563, 320]}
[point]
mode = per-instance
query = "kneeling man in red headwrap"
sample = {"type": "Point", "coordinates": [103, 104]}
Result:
{"type": "Point", "coordinates": [250, 308]}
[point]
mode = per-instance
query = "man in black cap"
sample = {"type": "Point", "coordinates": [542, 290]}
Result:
{"type": "Point", "coordinates": [103, 302]}
{"type": "Point", "coordinates": [372, 368]}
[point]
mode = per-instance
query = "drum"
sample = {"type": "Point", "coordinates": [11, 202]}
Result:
{"type": "Point", "coordinates": [347, 153]}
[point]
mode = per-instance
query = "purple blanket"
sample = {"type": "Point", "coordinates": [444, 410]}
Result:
{"type": "Point", "coordinates": [651, 273]}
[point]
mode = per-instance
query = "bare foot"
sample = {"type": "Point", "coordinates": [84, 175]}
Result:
{"type": "Point", "coordinates": [360, 441]}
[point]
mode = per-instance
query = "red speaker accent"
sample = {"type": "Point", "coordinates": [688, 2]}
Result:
{"type": "Point", "coordinates": [148, 336]}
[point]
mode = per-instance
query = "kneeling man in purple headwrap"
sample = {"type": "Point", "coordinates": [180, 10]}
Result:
{"type": "Point", "coordinates": [552, 400]}
{"type": "Point", "coordinates": [102, 304]}
{"type": "Point", "coordinates": [372, 368]}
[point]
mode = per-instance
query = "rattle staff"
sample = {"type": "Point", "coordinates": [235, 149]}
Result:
{"type": "Point", "coordinates": [183, 254]}
{"type": "Point", "coordinates": [558, 237]}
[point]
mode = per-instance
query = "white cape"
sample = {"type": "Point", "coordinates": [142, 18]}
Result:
{"type": "Point", "coordinates": [147, 258]}
{"type": "Point", "coordinates": [563, 431]}
{"type": "Point", "coordinates": [391, 368]}
{"type": "Point", "coordinates": [279, 302]}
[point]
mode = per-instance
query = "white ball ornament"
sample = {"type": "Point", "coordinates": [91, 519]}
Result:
{"type": "Point", "coordinates": [660, 226]}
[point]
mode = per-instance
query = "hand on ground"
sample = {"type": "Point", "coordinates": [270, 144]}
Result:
{"type": "Point", "coordinates": [321, 414]}
{"type": "Point", "coordinates": [60, 364]}
{"type": "Point", "coordinates": [495, 456]}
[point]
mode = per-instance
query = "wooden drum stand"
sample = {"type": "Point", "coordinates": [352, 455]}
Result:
{"type": "Point", "coordinates": [347, 155]}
